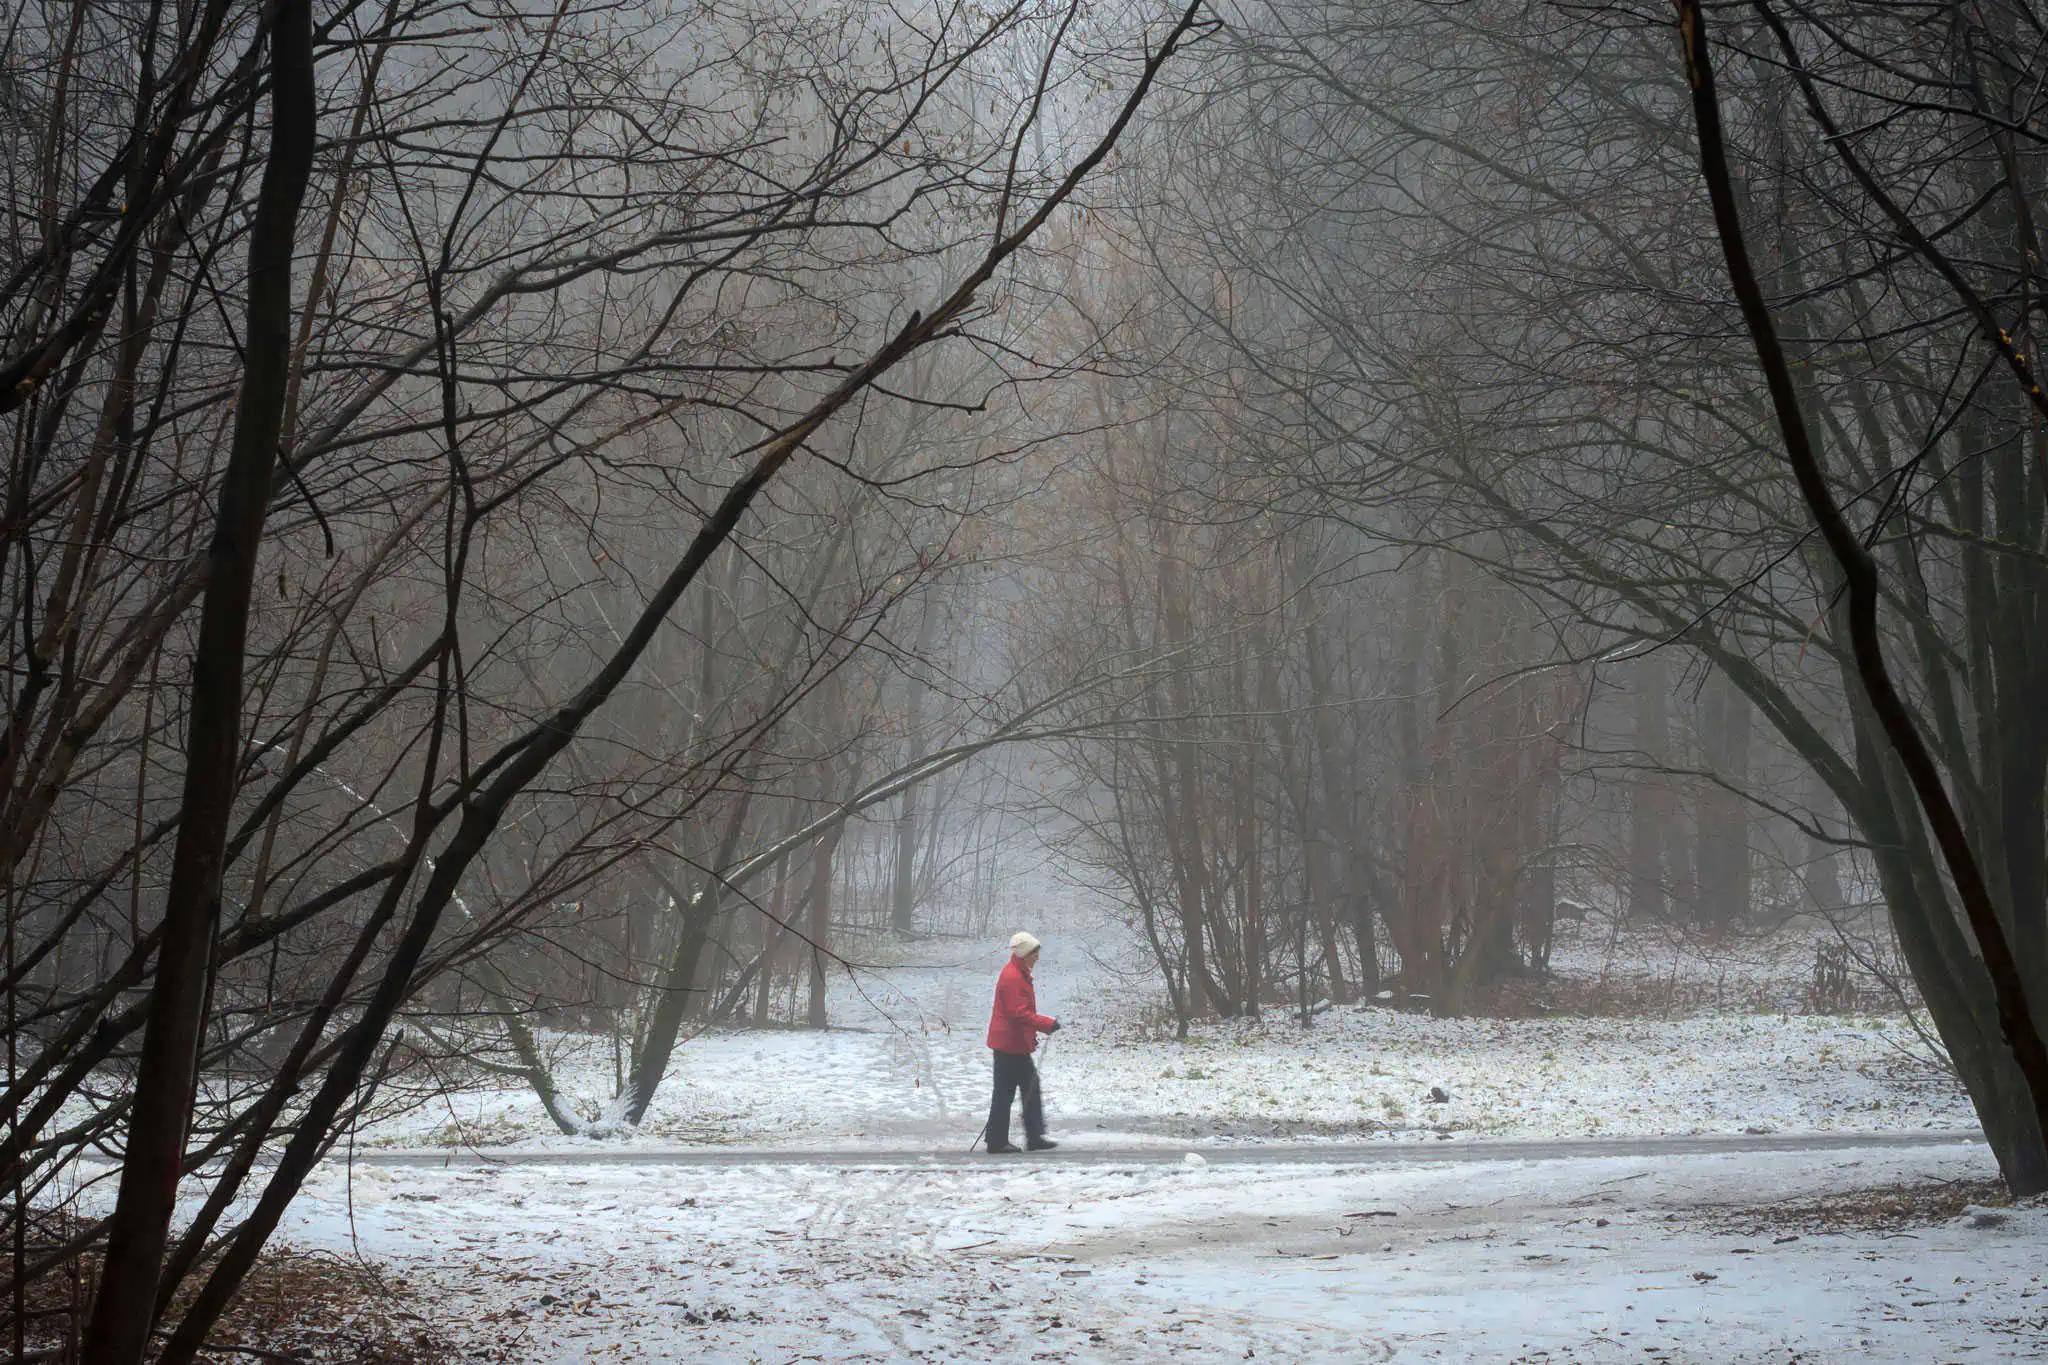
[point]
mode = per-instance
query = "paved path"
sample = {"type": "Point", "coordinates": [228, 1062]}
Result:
{"type": "Point", "coordinates": [1113, 1153]}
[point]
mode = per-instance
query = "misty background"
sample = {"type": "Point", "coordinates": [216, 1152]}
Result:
{"type": "Point", "coordinates": [739, 486]}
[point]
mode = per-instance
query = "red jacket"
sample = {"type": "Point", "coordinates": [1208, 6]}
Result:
{"type": "Point", "coordinates": [1015, 1023]}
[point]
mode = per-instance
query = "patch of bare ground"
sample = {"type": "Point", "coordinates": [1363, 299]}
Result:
{"type": "Point", "coordinates": [306, 1308]}
{"type": "Point", "coordinates": [1884, 1208]}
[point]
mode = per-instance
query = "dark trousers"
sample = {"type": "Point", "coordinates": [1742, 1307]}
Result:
{"type": "Point", "coordinates": [1014, 1072]}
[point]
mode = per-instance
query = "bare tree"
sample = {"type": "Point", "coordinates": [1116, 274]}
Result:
{"type": "Point", "coordinates": [1455, 255]}
{"type": "Point", "coordinates": [557, 292]}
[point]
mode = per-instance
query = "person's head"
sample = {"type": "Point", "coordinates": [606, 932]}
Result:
{"type": "Point", "coordinates": [1024, 948]}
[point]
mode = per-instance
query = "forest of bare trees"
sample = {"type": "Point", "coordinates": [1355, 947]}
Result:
{"type": "Point", "coordinates": [1437, 374]}
{"type": "Point", "coordinates": [318, 565]}
{"type": "Point", "coordinates": [583, 519]}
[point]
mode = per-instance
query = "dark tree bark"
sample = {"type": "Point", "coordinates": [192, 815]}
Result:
{"type": "Point", "coordinates": [903, 873]}
{"type": "Point", "coordinates": [1649, 812]}
{"type": "Point", "coordinates": [2019, 1027]}
{"type": "Point", "coordinates": [820, 898]}
{"type": "Point", "coordinates": [651, 1058]}
{"type": "Point", "coordinates": [125, 1309]}
{"type": "Point", "coordinates": [1823, 865]}
{"type": "Point", "coordinates": [1721, 876]}
{"type": "Point", "coordinates": [1331, 826]}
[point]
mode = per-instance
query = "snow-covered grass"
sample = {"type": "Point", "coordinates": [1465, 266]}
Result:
{"type": "Point", "coordinates": [1352, 1073]}
{"type": "Point", "coordinates": [1599, 1260]}
{"type": "Point", "coordinates": [1628, 1257]}
{"type": "Point", "coordinates": [905, 1061]}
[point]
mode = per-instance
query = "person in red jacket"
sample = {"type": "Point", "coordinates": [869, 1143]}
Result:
{"type": "Point", "coordinates": [1014, 1024]}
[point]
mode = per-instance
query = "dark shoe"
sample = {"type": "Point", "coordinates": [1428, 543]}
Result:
{"type": "Point", "coordinates": [1003, 1149]}
{"type": "Point", "coordinates": [1040, 1144]}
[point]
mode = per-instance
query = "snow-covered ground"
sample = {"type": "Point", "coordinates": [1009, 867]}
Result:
{"type": "Point", "coordinates": [1597, 1258]}
{"type": "Point", "coordinates": [905, 1060]}
{"type": "Point", "coordinates": [1603, 1260]}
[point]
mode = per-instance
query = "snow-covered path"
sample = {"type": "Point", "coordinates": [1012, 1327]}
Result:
{"type": "Point", "coordinates": [1596, 1260]}
{"type": "Point", "coordinates": [904, 1067]}
{"type": "Point", "coordinates": [1336, 1154]}
{"type": "Point", "coordinates": [1377, 1185]}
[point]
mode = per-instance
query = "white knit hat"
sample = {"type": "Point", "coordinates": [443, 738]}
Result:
{"type": "Point", "coordinates": [1022, 944]}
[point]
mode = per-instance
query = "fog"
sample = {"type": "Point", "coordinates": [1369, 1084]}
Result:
{"type": "Point", "coordinates": [539, 539]}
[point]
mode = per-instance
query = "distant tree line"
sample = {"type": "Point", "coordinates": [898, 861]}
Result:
{"type": "Point", "coordinates": [465, 464]}
{"type": "Point", "coordinates": [1435, 362]}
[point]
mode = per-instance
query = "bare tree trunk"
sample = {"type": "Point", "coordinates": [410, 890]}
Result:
{"type": "Point", "coordinates": [1248, 836]}
{"type": "Point", "coordinates": [124, 1310]}
{"type": "Point", "coordinates": [1823, 869]}
{"type": "Point", "coordinates": [1324, 851]}
{"type": "Point", "coordinates": [903, 878]}
{"type": "Point", "coordinates": [1539, 897]}
{"type": "Point", "coordinates": [778, 934]}
{"type": "Point", "coordinates": [821, 920]}
{"type": "Point", "coordinates": [2018, 1023]}
{"type": "Point", "coordinates": [1182, 795]}
{"type": "Point", "coordinates": [1722, 863]}
{"type": "Point", "coordinates": [697, 913]}
{"type": "Point", "coordinates": [1649, 814]}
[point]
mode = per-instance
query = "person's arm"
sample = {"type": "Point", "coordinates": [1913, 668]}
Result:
{"type": "Point", "coordinates": [1042, 1023]}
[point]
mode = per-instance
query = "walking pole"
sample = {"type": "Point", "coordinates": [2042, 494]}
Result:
{"type": "Point", "coordinates": [1043, 1057]}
